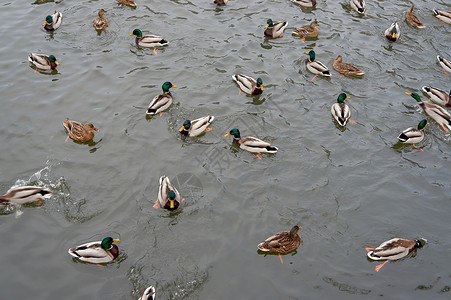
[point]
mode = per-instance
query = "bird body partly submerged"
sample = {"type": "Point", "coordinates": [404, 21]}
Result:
{"type": "Point", "coordinates": [315, 66]}
{"type": "Point", "coordinates": [275, 29]}
{"type": "Point", "coordinates": [413, 135]}
{"type": "Point", "coordinates": [394, 249]}
{"type": "Point", "coordinates": [24, 194]}
{"type": "Point", "coordinates": [197, 126]}
{"type": "Point", "coordinates": [438, 113]}
{"type": "Point", "coordinates": [346, 68]}
{"type": "Point", "coordinates": [248, 84]}
{"type": "Point", "coordinates": [43, 61]}
{"type": "Point", "coordinates": [281, 242]}
{"type": "Point", "coordinates": [79, 131]}
{"type": "Point", "coordinates": [52, 22]}
{"type": "Point", "coordinates": [100, 22]}
{"type": "Point", "coordinates": [148, 294]}
{"type": "Point", "coordinates": [413, 19]}
{"type": "Point", "coordinates": [251, 144]}
{"type": "Point", "coordinates": [340, 110]}
{"type": "Point", "coordinates": [162, 101]}
{"type": "Point", "coordinates": [442, 15]}
{"type": "Point", "coordinates": [446, 64]}
{"type": "Point", "coordinates": [392, 33]}
{"type": "Point", "coordinates": [307, 31]}
{"type": "Point", "coordinates": [358, 5]}
{"type": "Point", "coordinates": [98, 252]}
{"type": "Point", "coordinates": [168, 196]}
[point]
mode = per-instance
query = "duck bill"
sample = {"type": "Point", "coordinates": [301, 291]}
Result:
{"type": "Point", "coordinates": [227, 134]}
{"type": "Point", "coordinates": [174, 86]}
{"type": "Point", "coordinates": [393, 34]}
{"type": "Point", "coordinates": [267, 25]}
{"type": "Point", "coordinates": [45, 23]}
{"type": "Point", "coordinates": [410, 94]}
{"type": "Point", "coordinates": [300, 228]}
{"type": "Point", "coordinates": [130, 34]}
{"type": "Point", "coordinates": [261, 87]}
{"type": "Point", "coordinates": [306, 53]}
{"type": "Point", "coordinates": [171, 203]}
{"type": "Point", "coordinates": [181, 128]}
{"type": "Point", "coordinates": [347, 97]}
{"type": "Point", "coordinates": [116, 240]}
{"type": "Point", "coordinates": [57, 63]}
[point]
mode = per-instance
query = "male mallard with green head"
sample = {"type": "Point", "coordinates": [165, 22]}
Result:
{"type": "Point", "coordinates": [43, 61]}
{"type": "Point", "coordinates": [98, 252]}
{"type": "Point", "coordinates": [251, 144]}
{"type": "Point", "coordinates": [168, 196]}
{"type": "Point", "coordinates": [275, 29]}
{"type": "Point", "coordinates": [340, 110]}
{"type": "Point", "coordinates": [393, 33]}
{"type": "Point", "coordinates": [197, 126]}
{"type": "Point", "coordinates": [52, 22]}
{"type": "Point", "coordinates": [162, 101]}
{"type": "Point", "coordinates": [248, 84]}
{"type": "Point", "coordinates": [438, 113]}
{"type": "Point", "coordinates": [148, 41]}
{"type": "Point", "coordinates": [438, 95]}
{"type": "Point", "coordinates": [413, 135]}
{"type": "Point", "coordinates": [315, 66]}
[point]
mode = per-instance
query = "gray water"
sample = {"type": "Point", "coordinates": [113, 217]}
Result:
{"type": "Point", "coordinates": [348, 188]}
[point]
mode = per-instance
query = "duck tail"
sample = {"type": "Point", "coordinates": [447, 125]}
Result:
{"type": "Point", "coordinates": [435, 12]}
{"type": "Point", "coordinates": [272, 149]}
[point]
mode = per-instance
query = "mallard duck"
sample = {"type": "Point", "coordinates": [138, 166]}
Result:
{"type": "Point", "coordinates": [275, 29]}
{"type": "Point", "coordinates": [98, 252]}
{"type": "Point", "coordinates": [315, 66]}
{"type": "Point", "coordinates": [307, 31]}
{"type": "Point", "coordinates": [305, 3]}
{"type": "Point", "coordinates": [346, 68]}
{"type": "Point", "coordinates": [148, 41]}
{"type": "Point", "coordinates": [79, 131]}
{"type": "Point", "coordinates": [100, 22]}
{"type": "Point", "coordinates": [251, 144]}
{"type": "Point", "coordinates": [127, 2]}
{"type": "Point", "coordinates": [358, 5]}
{"type": "Point", "coordinates": [438, 96]}
{"type": "Point", "coordinates": [413, 19]}
{"type": "Point", "coordinates": [196, 127]}
{"type": "Point", "coordinates": [442, 15]}
{"type": "Point", "coordinates": [392, 33]}
{"type": "Point", "coordinates": [393, 249]}
{"type": "Point", "coordinates": [162, 101]}
{"type": "Point", "coordinates": [24, 194]}
{"type": "Point", "coordinates": [282, 242]}
{"type": "Point", "coordinates": [149, 294]}
{"type": "Point", "coordinates": [446, 65]}
{"type": "Point", "coordinates": [438, 113]}
{"type": "Point", "coordinates": [52, 22]}
{"type": "Point", "coordinates": [221, 2]}
{"type": "Point", "coordinates": [248, 84]}
{"type": "Point", "coordinates": [340, 110]}
{"type": "Point", "coordinates": [413, 135]}
{"type": "Point", "coordinates": [168, 196]}
{"type": "Point", "coordinates": [43, 61]}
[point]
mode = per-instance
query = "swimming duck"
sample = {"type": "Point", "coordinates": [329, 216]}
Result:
{"type": "Point", "coordinates": [437, 95]}
{"type": "Point", "coordinates": [248, 84]}
{"type": "Point", "coordinates": [282, 242]}
{"type": "Point", "coordinates": [168, 196]}
{"type": "Point", "coordinates": [315, 66]}
{"type": "Point", "coordinates": [346, 68]}
{"type": "Point", "coordinates": [275, 29]}
{"type": "Point", "coordinates": [162, 101]}
{"type": "Point", "coordinates": [127, 2]}
{"type": "Point", "coordinates": [392, 33]}
{"type": "Point", "coordinates": [79, 131]}
{"type": "Point", "coordinates": [413, 135]}
{"type": "Point", "coordinates": [446, 65]}
{"type": "Point", "coordinates": [148, 41]}
{"type": "Point", "coordinates": [251, 144]}
{"type": "Point", "coordinates": [394, 249]}
{"type": "Point", "coordinates": [149, 294]}
{"type": "Point", "coordinates": [442, 15]}
{"type": "Point", "coordinates": [43, 61]}
{"type": "Point", "coordinates": [438, 113]}
{"type": "Point", "coordinates": [52, 22]}
{"type": "Point", "coordinates": [305, 3]}
{"type": "Point", "coordinates": [307, 31]}
{"type": "Point", "coordinates": [196, 127]}
{"type": "Point", "coordinates": [358, 5]}
{"type": "Point", "coordinates": [98, 252]}
{"type": "Point", "coordinates": [100, 22]}
{"type": "Point", "coordinates": [340, 110]}
{"type": "Point", "coordinates": [24, 194]}
{"type": "Point", "coordinates": [413, 19]}
{"type": "Point", "coordinates": [221, 2]}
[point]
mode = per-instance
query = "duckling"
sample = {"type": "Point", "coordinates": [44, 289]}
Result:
{"type": "Point", "coordinates": [161, 102]}
{"type": "Point", "coordinates": [79, 131]}
{"type": "Point", "coordinates": [438, 96]}
{"type": "Point", "coordinates": [148, 41]}
{"type": "Point", "coordinates": [394, 249]}
{"type": "Point", "coordinates": [251, 144]}
{"type": "Point", "coordinates": [52, 22]}
{"type": "Point", "coordinates": [315, 66]}
{"type": "Point", "coordinates": [392, 33]}
{"type": "Point", "coordinates": [282, 242]}
{"type": "Point", "coordinates": [248, 84]}
{"type": "Point", "coordinates": [413, 135]}
{"type": "Point", "coordinates": [446, 65]}
{"type": "Point", "coordinates": [25, 194]}
{"type": "Point", "coordinates": [149, 294]}
{"type": "Point", "coordinates": [98, 252]}
{"type": "Point", "coordinates": [442, 15]}
{"type": "Point", "coordinates": [413, 19]}
{"type": "Point", "coordinates": [358, 5]}
{"type": "Point", "coordinates": [346, 68]}
{"type": "Point", "coordinates": [196, 127]}
{"type": "Point", "coordinates": [340, 111]}
{"type": "Point", "coordinates": [276, 29]}
{"type": "Point", "coordinates": [100, 22]}
{"type": "Point", "coordinates": [307, 31]}
{"type": "Point", "coordinates": [43, 61]}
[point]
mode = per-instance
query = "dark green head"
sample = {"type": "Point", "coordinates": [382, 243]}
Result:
{"type": "Point", "coordinates": [49, 19]}
{"type": "Point", "coordinates": [107, 243]}
{"type": "Point", "coordinates": [394, 31]}
{"type": "Point", "coordinates": [187, 124]}
{"type": "Point", "coordinates": [311, 53]}
{"type": "Point", "coordinates": [421, 242]}
{"type": "Point", "coordinates": [166, 86]}
{"type": "Point", "coordinates": [342, 97]}
{"type": "Point", "coordinates": [52, 58]}
{"type": "Point", "coordinates": [235, 132]}
{"type": "Point", "coordinates": [415, 96]}
{"type": "Point", "coordinates": [260, 83]}
{"type": "Point", "coordinates": [137, 32]}
{"type": "Point", "coordinates": [422, 124]}
{"type": "Point", "coordinates": [269, 23]}
{"type": "Point", "coordinates": [171, 195]}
